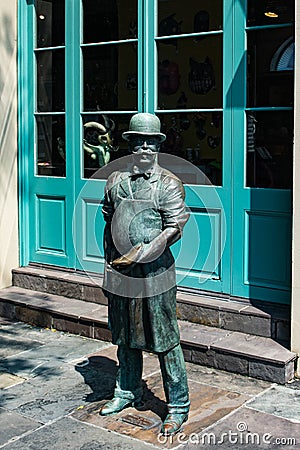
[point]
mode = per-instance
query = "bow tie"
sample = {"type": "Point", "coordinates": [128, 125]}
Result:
{"type": "Point", "coordinates": [144, 175]}
{"type": "Point", "coordinates": [137, 172]}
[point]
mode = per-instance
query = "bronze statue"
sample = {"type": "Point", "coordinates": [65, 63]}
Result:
{"type": "Point", "coordinates": [145, 213]}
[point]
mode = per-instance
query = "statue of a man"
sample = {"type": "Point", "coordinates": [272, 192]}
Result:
{"type": "Point", "coordinates": [145, 213]}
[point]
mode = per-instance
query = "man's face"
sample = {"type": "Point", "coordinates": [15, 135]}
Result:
{"type": "Point", "coordinates": [144, 150]}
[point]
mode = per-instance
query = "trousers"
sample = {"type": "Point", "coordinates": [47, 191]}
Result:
{"type": "Point", "coordinates": [172, 365]}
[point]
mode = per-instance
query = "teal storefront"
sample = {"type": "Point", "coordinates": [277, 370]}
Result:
{"type": "Point", "coordinates": [220, 76]}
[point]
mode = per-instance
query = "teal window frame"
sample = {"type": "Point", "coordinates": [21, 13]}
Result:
{"type": "Point", "coordinates": [233, 193]}
{"type": "Point", "coordinates": [147, 97]}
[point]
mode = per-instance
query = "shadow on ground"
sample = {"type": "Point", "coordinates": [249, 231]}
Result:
{"type": "Point", "coordinates": [99, 373]}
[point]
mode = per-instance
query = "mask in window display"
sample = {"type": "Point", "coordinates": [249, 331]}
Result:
{"type": "Point", "coordinates": [168, 77]}
{"type": "Point", "coordinates": [201, 76]}
{"type": "Point", "coordinates": [174, 140]}
{"type": "Point", "coordinates": [168, 26]}
{"type": "Point", "coordinates": [201, 24]}
{"type": "Point", "coordinates": [98, 142]}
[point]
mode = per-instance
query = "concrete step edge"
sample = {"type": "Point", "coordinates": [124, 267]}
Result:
{"type": "Point", "coordinates": [194, 335]}
{"type": "Point", "coordinates": [211, 311]}
{"type": "Point", "coordinates": [95, 281]}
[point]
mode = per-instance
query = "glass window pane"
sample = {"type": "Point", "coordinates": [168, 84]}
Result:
{"type": "Point", "coordinates": [196, 137]}
{"type": "Point", "coordinates": [270, 149]}
{"type": "Point", "coordinates": [50, 22]}
{"type": "Point", "coordinates": [50, 80]}
{"type": "Point", "coordinates": [270, 12]}
{"type": "Point", "coordinates": [51, 159]}
{"type": "Point", "coordinates": [102, 140]}
{"type": "Point", "coordinates": [110, 77]}
{"type": "Point", "coordinates": [271, 67]}
{"type": "Point", "coordinates": [109, 20]}
{"type": "Point", "coordinates": [191, 16]}
{"type": "Point", "coordinates": [190, 73]}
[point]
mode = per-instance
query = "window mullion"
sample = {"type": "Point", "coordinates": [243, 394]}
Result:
{"type": "Point", "coordinates": [147, 55]}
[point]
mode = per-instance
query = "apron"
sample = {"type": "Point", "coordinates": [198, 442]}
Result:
{"type": "Point", "coordinates": [142, 298]}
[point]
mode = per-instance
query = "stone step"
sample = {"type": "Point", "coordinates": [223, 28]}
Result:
{"type": "Point", "coordinates": [263, 319]}
{"type": "Point", "coordinates": [68, 283]}
{"type": "Point", "coordinates": [255, 356]}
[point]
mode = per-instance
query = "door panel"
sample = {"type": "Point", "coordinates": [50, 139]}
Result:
{"type": "Point", "coordinates": [92, 219]}
{"type": "Point", "coordinates": [227, 121]}
{"type": "Point", "coordinates": [263, 127]}
{"type": "Point", "coordinates": [195, 122]}
{"type": "Point", "coordinates": [110, 56]}
{"type": "Point", "coordinates": [266, 259]}
{"type": "Point", "coordinates": [262, 245]}
{"type": "Point", "coordinates": [88, 225]}
{"type": "Point", "coordinates": [51, 221]}
{"type": "Point", "coordinates": [198, 256]}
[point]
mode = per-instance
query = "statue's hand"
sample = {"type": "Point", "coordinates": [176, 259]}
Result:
{"type": "Point", "coordinates": [127, 259]}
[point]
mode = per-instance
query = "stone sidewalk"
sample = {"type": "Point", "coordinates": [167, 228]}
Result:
{"type": "Point", "coordinates": [53, 385]}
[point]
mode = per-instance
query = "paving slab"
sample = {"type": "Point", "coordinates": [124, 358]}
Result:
{"type": "Point", "coordinates": [69, 433]}
{"type": "Point", "coordinates": [56, 393]}
{"type": "Point", "coordinates": [12, 345]}
{"type": "Point", "coordinates": [208, 404]}
{"type": "Point", "coordinates": [150, 360]}
{"type": "Point", "coordinates": [13, 424]}
{"type": "Point", "coordinates": [279, 401]}
{"type": "Point", "coordinates": [245, 429]}
{"type": "Point", "coordinates": [229, 350]}
{"type": "Point", "coordinates": [69, 377]}
{"type": "Point", "coordinates": [7, 380]}
{"type": "Point", "coordinates": [226, 380]}
{"type": "Point", "coordinates": [293, 384]}
{"type": "Point", "coordinates": [35, 360]}
{"type": "Point", "coordinates": [26, 331]}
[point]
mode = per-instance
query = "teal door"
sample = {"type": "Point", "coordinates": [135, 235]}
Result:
{"type": "Point", "coordinates": [95, 63]}
{"type": "Point", "coordinates": [262, 104]}
{"type": "Point", "coordinates": [45, 135]}
{"type": "Point", "coordinates": [160, 58]}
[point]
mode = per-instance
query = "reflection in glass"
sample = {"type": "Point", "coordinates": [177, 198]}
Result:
{"type": "Point", "coordinates": [271, 67]}
{"type": "Point", "coordinates": [191, 16]}
{"type": "Point", "coordinates": [191, 76]}
{"type": "Point", "coordinates": [196, 137]}
{"type": "Point", "coordinates": [50, 22]}
{"type": "Point", "coordinates": [102, 140]}
{"type": "Point", "coordinates": [51, 156]}
{"type": "Point", "coordinates": [50, 80]}
{"type": "Point", "coordinates": [109, 20]}
{"type": "Point", "coordinates": [110, 77]}
{"type": "Point", "coordinates": [270, 12]}
{"type": "Point", "coordinates": [270, 149]}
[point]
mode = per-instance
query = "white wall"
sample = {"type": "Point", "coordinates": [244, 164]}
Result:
{"type": "Point", "coordinates": [8, 141]}
{"type": "Point", "coordinates": [296, 207]}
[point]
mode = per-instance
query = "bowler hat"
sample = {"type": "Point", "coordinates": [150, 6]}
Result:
{"type": "Point", "coordinates": [144, 124]}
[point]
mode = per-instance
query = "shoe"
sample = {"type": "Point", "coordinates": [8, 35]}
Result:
{"type": "Point", "coordinates": [115, 405]}
{"type": "Point", "coordinates": [173, 423]}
